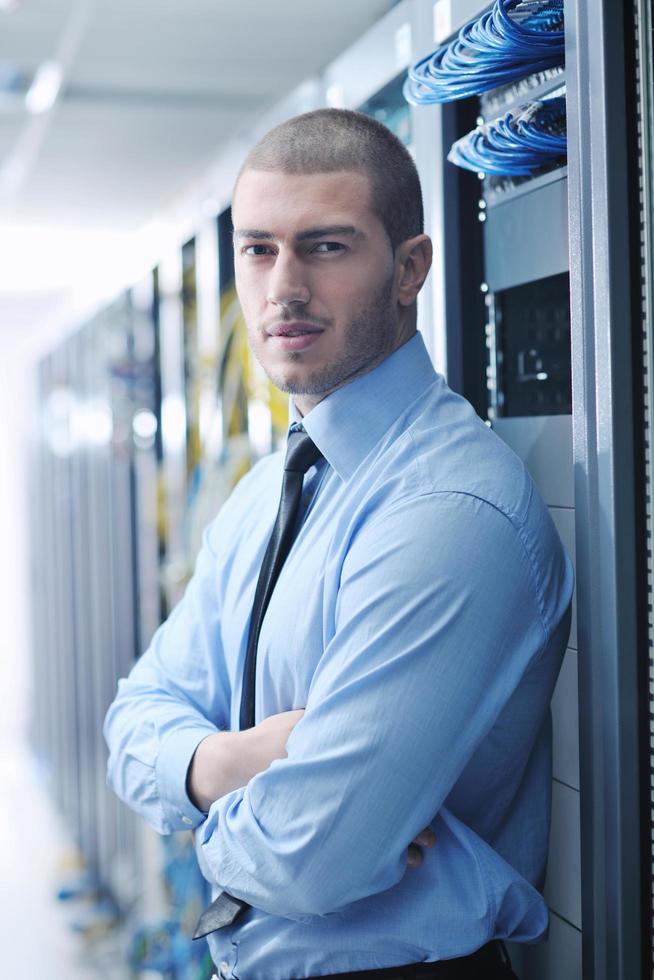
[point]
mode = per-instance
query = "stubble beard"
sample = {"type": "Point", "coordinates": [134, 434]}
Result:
{"type": "Point", "coordinates": [369, 338]}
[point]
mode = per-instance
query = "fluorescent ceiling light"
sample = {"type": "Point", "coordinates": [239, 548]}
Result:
{"type": "Point", "coordinates": [42, 93]}
{"type": "Point", "coordinates": [6, 6]}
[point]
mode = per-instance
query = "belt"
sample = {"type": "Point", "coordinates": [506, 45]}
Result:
{"type": "Point", "coordinates": [487, 963]}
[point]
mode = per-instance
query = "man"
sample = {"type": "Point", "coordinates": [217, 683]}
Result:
{"type": "Point", "coordinates": [411, 643]}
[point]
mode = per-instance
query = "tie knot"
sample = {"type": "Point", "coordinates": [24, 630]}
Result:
{"type": "Point", "coordinates": [301, 452]}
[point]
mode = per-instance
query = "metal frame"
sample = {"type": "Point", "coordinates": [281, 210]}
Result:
{"type": "Point", "coordinates": [605, 490]}
{"type": "Point", "coordinates": [644, 16]}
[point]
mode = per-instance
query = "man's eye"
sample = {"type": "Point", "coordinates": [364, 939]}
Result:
{"type": "Point", "coordinates": [255, 250]}
{"type": "Point", "coordinates": [329, 247]}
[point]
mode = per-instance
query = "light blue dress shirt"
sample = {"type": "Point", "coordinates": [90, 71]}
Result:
{"type": "Point", "coordinates": [420, 619]}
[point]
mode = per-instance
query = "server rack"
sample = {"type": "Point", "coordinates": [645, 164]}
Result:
{"type": "Point", "coordinates": [145, 424]}
{"type": "Point", "coordinates": [608, 322]}
{"type": "Point", "coordinates": [84, 529]}
{"type": "Point", "coordinates": [85, 601]}
{"type": "Point", "coordinates": [56, 748]}
{"type": "Point", "coordinates": [174, 422]}
{"type": "Point", "coordinates": [506, 323]}
{"type": "Point", "coordinates": [119, 377]}
{"type": "Point", "coordinates": [588, 459]}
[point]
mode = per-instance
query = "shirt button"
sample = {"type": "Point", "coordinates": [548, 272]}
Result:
{"type": "Point", "coordinates": [187, 820]}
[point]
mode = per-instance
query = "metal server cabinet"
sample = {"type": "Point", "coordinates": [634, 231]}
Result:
{"type": "Point", "coordinates": [504, 269]}
{"type": "Point", "coordinates": [589, 457]}
{"type": "Point", "coordinates": [528, 330]}
{"type": "Point", "coordinates": [85, 596]}
{"type": "Point", "coordinates": [61, 645]}
{"type": "Point", "coordinates": [119, 378]}
{"type": "Point", "coordinates": [86, 549]}
{"type": "Point", "coordinates": [149, 543]}
{"type": "Point", "coordinates": [609, 68]}
{"type": "Point", "coordinates": [526, 289]}
{"type": "Point", "coordinates": [54, 730]}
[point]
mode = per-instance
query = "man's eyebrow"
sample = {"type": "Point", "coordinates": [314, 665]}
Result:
{"type": "Point", "coordinates": [257, 234]}
{"type": "Point", "coordinates": [253, 233]}
{"type": "Point", "coordinates": [327, 230]}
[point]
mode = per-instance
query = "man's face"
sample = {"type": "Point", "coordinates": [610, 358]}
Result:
{"type": "Point", "coordinates": [315, 276]}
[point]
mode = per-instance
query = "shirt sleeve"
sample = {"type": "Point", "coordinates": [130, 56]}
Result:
{"type": "Point", "coordinates": [437, 618]}
{"type": "Point", "coordinates": [176, 694]}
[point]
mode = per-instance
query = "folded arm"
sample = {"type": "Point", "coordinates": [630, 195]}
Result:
{"type": "Point", "coordinates": [436, 621]}
{"type": "Point", "coordinates": [227, 760]}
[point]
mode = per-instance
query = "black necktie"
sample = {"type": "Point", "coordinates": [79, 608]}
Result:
{"type": "Point", "coordinates": [301, 453]}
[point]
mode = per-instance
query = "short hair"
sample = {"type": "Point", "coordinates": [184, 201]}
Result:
{"type": "Point", "coordinates": [329, 140]}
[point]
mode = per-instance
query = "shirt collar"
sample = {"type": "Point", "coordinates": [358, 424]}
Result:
{"type": "Point", "coordinates": [350, 421]}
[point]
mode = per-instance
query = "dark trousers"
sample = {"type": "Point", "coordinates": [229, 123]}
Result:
{"type": "Point", "coordinates": [491, 962]}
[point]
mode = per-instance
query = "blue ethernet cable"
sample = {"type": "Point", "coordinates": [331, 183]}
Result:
{"type": "Point", "coordinates": [512, 39]}
{"type": "Point", "coordinates": [516, 144]}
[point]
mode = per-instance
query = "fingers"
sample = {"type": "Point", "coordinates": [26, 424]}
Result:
{"type": "Point", "coordinates": [426, 838]}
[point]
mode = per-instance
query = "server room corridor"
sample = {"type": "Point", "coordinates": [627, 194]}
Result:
{"type": "Point", "coordinates": [410, 245]}
{"type": "Point", "coordinates": [37, 939]}
{"type": "Point", "coordinates": [36, 850]}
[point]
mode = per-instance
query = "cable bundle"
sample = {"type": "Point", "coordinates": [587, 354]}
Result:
{"type": "Point", "coordinates": [515, 144]}
{"type": "Point", "coordinates": [514, 38]}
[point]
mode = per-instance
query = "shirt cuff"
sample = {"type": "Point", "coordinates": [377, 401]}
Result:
{"type": "Point", "coordinates": [171, 768]}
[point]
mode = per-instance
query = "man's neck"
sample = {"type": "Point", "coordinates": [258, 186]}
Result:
{"type": "Point", "coordinates": [311, 401]}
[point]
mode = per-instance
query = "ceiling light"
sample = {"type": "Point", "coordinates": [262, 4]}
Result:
{"type": "Point", "coordinates": [42, 93]}
{"type": "Point", "coordinates": [8, 6]}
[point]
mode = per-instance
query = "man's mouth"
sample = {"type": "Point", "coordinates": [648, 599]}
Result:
{"type": "Point", "coordinates": [295, 329]}
{"type": "Point", "coordinates": [294, 336]}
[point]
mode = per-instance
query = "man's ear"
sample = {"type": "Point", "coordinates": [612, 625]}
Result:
{"type": "Point", "coordinates": [414, 258]}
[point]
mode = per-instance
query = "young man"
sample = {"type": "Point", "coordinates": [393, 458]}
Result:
{"type": "Point", "coordinates": [413, 636]}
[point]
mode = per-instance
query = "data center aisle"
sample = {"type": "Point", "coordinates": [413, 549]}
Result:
{"type": "Point", "coordinates": [37, 940]}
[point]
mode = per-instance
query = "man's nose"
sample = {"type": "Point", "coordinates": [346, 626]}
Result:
{"type": "Point", "coordinates": [287, 284]}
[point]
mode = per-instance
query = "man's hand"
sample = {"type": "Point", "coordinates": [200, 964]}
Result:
{"type": "Point", "coordinates": [426, 838]}
{"type": "Point", "coordinates": [228, 760]}
{"type": "Point", "coordinates": [267, 741]}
